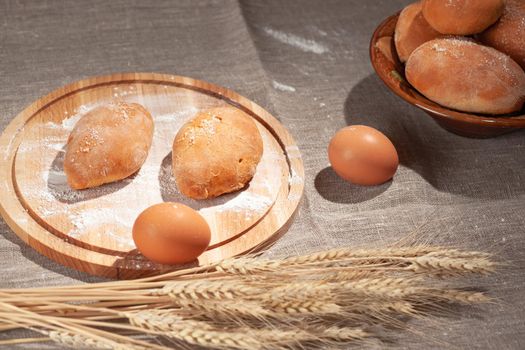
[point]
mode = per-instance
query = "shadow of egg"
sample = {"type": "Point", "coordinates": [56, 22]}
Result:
{"type": "Point", "coordinates": [333, 188]}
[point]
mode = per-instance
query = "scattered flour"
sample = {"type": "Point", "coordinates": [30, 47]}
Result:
{"type": "Point", "coordinates": [247, 201]}
{"type": "Point", "coordinates": [10, 144]}
{"type": "Point", "coordinates": [56, 146]}
{"type": "Point", "coordinates": [293, 152]}
{"type": "Point", "coordinates": [69, 123]}
{"type": "Point", "coordinates": [177, 116]}
{"type": "Point", "coordinates": [102, 217]}
{"type": "Point", "coordinates": [438, 48]}
{"type": "Point", "coordinates": [295, 178]}
{"type": "Point", "coordinates": [279, 86]}
{"type": "Point", "coordinates": [303, 44]}
{"type": "Point", "coordinates": [294, 197]}
{"type": "Point", "coordinates": [322, 32]}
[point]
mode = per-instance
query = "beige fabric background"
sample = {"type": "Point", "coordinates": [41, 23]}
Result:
{"type": "Point", "coordinates": [449, 189]}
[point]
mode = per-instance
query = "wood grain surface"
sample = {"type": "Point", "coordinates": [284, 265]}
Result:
{"type": "Point", "coordinates": [90, 230]}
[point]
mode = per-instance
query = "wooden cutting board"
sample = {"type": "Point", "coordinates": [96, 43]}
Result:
{"type": "Point", "coordinates": [90, 230]}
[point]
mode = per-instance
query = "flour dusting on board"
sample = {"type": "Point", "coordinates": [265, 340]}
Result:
{"type": "Point", "coordinates": [69, 123]}
{"type": "Point", "coordinates": [104, 215]}
{"type": "Point", "coordinates": [106, 221]}
{"type": "Point", "coordinates": [250, 201]}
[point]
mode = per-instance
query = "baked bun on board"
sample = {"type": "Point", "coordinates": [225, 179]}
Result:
{"type": "Point", "coordinates": [463, 75]}
{"type": "Point", "coordinates": [108, 144]}
{"type": "Point", "coordinates": [216, 152]}
{"type": "Point", "coordinates": [462, 17]}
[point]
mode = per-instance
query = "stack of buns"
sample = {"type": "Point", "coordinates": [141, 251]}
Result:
{"type": "Point", "coordinates": [466, 55]}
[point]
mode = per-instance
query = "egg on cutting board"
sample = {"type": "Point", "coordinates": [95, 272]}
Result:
{"type": "Point", "coordinates": [363, 155]}
{"type": "Point", "coordinates": [171, 233]}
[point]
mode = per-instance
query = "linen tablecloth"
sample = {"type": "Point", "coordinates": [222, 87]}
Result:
{"type": "Point", "coordinates": [307, 63]}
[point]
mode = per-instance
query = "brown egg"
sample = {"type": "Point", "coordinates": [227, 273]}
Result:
{"type": "Point", "coordinates": [363, 155]}
{"type": "Point", "coordinates": [171, 233]}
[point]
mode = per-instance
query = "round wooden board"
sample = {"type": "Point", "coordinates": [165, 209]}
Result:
{"type": "Point", "coordinates": [90, 230]}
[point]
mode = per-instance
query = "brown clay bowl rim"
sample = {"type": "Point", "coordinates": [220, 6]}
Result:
{"type": "Point", "coordinates": [517, 121]}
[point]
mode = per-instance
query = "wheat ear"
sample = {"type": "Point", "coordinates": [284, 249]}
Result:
{"type": "Point", "coordinates": [460, 296]}
{"type": "Point", "coordinates": [386, 287]}
{"type": "Point", "coordinates": [79, 341]}
{"type": "Point", "coordinates": [207, 290]}
{"type": "Point", "coordinates": [214, 339]}
{"type": "Point", "coordinates": [225, 309]}
{"type": "Point", "coordinates": [301, 307]}
{"type": "Point", "coordinates": [162, 321]}
{"type": "Point", "coordinates": [315, 290]}
{"type": "Point", "coordinates": [344, 333]}
{"type": "Point", "coordinates": [450, 266]}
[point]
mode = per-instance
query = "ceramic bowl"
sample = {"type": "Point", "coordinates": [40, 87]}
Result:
{"type": "Point", "coordinates": [388, 67]}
